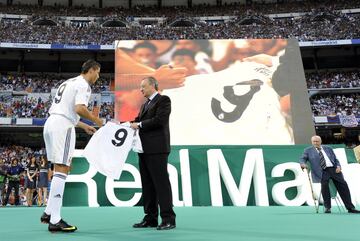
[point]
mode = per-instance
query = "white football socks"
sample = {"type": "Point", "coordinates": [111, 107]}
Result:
{"type": "Point", "coordinates": [56, 197]}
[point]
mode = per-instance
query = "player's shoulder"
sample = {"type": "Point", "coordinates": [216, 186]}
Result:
{"type": "Point", "coordinates": [81, 82]}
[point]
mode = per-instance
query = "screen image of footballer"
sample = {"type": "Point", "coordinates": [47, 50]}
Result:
{"type": "Point", "coordinates": [234, 92]}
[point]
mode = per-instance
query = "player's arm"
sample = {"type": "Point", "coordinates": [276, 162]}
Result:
{"type": "Point", "coordinates": [82, 111]}
{"type": "Point", "coordinates": [131, 73]}
{"type": "Point", "coordinates": [88, 129]}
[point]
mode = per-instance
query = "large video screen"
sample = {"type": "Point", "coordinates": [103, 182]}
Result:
{"type": "Point", "coordinates": [223, 92]}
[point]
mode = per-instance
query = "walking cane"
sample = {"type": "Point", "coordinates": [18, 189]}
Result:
{"type": "Point", "coordinates": [312, 191]}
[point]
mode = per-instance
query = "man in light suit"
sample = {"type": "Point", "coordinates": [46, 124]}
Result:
{"type": "Point", "coordinates": [325, 165]}
{"type": "Point", "coordinates": [153, 125]}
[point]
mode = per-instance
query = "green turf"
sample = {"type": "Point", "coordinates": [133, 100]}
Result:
{"type": "Point", "coordinates": [193, 224]}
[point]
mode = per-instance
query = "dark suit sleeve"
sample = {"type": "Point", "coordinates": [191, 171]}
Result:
{"type": "Point", "coordinates": [305, 157]}
{"type": "Point", "coordinates": [161, 117]}
{"type": "Point", "coordinates": [137, 119]}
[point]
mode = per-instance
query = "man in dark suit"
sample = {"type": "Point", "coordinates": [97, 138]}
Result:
{"type": "Point", "coordinates": [153, 125]}
{"type": "Point", "coordinates": [325, 165]}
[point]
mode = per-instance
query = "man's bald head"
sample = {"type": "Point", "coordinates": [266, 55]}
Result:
{"type": "Point", "coordinates": [316, 141]}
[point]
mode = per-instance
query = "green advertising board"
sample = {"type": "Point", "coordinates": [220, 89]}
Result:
{"type": "Point", "coordinates": [209, 176]}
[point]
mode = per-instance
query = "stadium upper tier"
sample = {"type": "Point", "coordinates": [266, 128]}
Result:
{"type": "Point", "coordinates": [178, 11]}
{"type": "Point", "coordinates": [48, 26]}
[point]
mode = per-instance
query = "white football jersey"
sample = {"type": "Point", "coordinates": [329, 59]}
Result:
{"type": "Point", "coordinates": [109, 147]}
{"type": "Point", "coordinates": [72, 92]}
{"type": "Point", "coordinates": [236, 106]}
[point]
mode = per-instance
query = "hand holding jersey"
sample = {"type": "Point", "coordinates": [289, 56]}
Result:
{"type": "Point", "coordinates": [88, 129]}
{"type": "Point", "coordinates": [108, 149]}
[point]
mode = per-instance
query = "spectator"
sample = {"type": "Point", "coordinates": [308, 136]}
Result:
{"type": "Point", "coordinates": [43, 181]}
{"type": "Point", "coordinates": [13, 174]}
{"type": "Point", "coordinates": [30, 180]}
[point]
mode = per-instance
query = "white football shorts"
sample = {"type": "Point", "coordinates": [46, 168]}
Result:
{"type": "Point", "coordinates": [59, 137]}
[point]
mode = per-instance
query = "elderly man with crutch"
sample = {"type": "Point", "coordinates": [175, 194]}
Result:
{"type": "Point", "coordinates": [326, 166]}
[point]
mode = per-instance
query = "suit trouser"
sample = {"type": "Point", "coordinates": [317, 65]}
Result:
{"type": "Point", "coordinates": [11, 185]}
{"type": "Point", "coordinates": [340, 184]}
{"type": "Point", "coordinates": [156, 187]}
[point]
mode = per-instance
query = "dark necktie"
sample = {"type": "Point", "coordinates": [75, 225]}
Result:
{"type": "Point", "coordinates": [146, 105]}
{"type": "Point", "coordinates": [322, 159]}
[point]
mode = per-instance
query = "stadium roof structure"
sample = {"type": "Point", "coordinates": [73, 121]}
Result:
{"type": "Point", "coordinates": [131, 3]}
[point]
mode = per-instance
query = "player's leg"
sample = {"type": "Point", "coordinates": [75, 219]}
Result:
{"type": "Point", "coordinates": [48, 139]}
{"type": "Point", "coordinates": [60, 144]}
{"type": "Point", "coordinates": [61, 170]}
{"type": "Point", "coordinates": [57, 191]}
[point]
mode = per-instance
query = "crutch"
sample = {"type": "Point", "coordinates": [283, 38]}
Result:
{"type": "Point", "coordinates": [312, 192]}
{"type": "Point", "coordinates": [337, 200]}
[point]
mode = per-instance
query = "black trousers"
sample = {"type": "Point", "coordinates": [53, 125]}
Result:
{"type": "Point", "coordinates": [11, 185]}
{"type": "Point", "coordinates": [341, 187]}
{"type": "Point", "coordinates": [156, 187]}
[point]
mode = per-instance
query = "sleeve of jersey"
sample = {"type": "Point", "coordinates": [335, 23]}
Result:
{"type": "Point", "coordinates": [83, 93]}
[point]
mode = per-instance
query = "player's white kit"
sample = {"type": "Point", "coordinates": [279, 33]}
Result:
{"type": "Point", "coordinates": [59, 129]}
{"type": "Point", "coordinates": [235, 106]}
{"type": "Point", "coordinates": [108, 148]}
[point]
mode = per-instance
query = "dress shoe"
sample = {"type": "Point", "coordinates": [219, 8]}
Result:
{"type": "Point", "coordinates": [353, 211]}
{"type": "Point", "coordinates": [327, 210]}
{"type": "Point", "coordinates": [145, 224]}
{"type": "Point", "coordinates": [166, 226]}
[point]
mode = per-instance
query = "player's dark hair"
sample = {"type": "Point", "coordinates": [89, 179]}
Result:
{"type": "Point", "coordinates": [145, 45]}
{"type": "Point", "coordinates": [89, 64]}
{"type": "Point", "coordinates": [184, 52]}
{"type": "Point", "coordinates": [152, 81]}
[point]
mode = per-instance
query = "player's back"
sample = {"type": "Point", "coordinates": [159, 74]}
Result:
{"type": "Point", "coordinates": [70, 93]}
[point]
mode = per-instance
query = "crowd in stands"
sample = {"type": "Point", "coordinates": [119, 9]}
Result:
{"type": "Point", "coordinates": [43, 83]}
{"type": "Point", "coordinates": [227, 9]}
{"type": "Point", "coordinates": [107, 110]}
{"type": "Point", "coordinates": [338, 79]}
{"type": "Point", "coordinates": [23, 154]}
{"type": "Point", "coordinates": [335, 104]}
{"type": "Point", "coordinates": [320, 24]}
{"type": "Point", "coordinates": [30, 107]}
{"type": "Point", "coordinates": [25, 108]}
